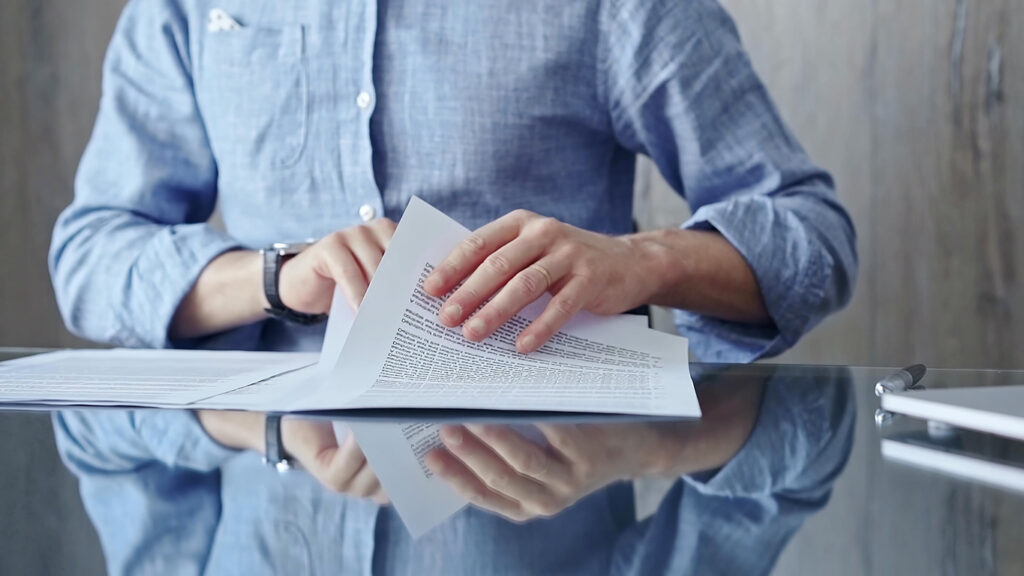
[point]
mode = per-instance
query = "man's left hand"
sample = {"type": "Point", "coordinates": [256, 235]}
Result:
{"type": "Point", "coordinates": [519, 257]}
{"type": "Point", "coordinates": [498, 469]}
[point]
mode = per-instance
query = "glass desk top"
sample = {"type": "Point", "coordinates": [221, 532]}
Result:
{"type": "Point", "coordinates": [805, 491]}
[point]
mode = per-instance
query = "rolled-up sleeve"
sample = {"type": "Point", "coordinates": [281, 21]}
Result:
{"type": "Point", "coordinates": [135, 238]}
{"type": "Point", "coordinates": [681, 90]}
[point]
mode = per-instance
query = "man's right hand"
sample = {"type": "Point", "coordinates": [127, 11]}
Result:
{"type": "Point", "coordinates": [342, 469]}
{"type": "Point", "coordinates": [347, 258]}
{"type": "Point", "coordinates": [229, 291]}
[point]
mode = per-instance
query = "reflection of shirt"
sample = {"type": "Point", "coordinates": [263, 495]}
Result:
{"type": "Point", "coordinates": [313, 116]}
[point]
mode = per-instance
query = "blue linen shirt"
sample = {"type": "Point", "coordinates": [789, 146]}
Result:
{"type": "Point", "coordinates": [313, 113]}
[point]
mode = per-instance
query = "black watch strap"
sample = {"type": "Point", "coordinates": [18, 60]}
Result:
{"type": "Point", "coordinates": [275, 456]}
{"type": "Point", "coordinates": [272, 259]}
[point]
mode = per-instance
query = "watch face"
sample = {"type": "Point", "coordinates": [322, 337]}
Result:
{"type": "Point", "coordinates": [290, 249]}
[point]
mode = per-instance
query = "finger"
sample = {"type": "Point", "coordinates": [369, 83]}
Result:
{"type": "Point", "coordinates": [562, 307]}
{"type": "Point", "coordinates": [365, 483]}
{"type": "Point", "coordinates": [497, 474]}
{"type": "Point", "coordinates": [383, 229]}
{"type": "Point", "coordinates": [346, 272]}
{"type": "Point", "coordinates": [467, 485]}
{"type": "Point", "coordinates": [525, 287]}
{"type": "Point", "coordinates": [345, 465]}
{"type": "Point", "coordinates": [472, 251]}
{"type": "Point", "coordinates": [367, 251]}
{"type": "Point", "coordinates": [567, 439]}
{"type": "Point", "coordinates": [493, 273]}
{"type": "Point", "coordinates": [524, 456]}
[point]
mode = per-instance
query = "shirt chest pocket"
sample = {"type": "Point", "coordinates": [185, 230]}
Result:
{"type": "Point", "coordinates": [253, 91]}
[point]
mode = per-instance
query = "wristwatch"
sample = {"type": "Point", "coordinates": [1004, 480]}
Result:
{"type": "Point", "coordinates": [275, 456]}
{"type": "Point", "coordinates": [273, 258]}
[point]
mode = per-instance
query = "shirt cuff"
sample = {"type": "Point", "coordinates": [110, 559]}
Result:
{"type": "Point", "coordinates": [162, 275]}
{"type": "Point", "coordinates": [178, 440]}
{"type": "Point", "coordinates": [790, 269]}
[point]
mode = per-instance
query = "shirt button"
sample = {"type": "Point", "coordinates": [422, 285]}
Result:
{"type": "Point", "coordinates": [363, 100]}
{"type": "Point", "coordinates": [367, 212]}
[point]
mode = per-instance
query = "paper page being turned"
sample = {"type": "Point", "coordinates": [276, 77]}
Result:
{"type": "Point", "coordinates": [339, 324]}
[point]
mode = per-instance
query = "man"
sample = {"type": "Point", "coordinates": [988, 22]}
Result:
{"type": "Point", "coordinates": [320, 119]}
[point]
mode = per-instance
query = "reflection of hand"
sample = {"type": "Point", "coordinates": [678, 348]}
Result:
{"type": "Point", "coordinates": [342, 468]}
{"type": "Point", "coordinates": [522, 255]}
{"type": "Point", "coordinates": [499, 470]}
{"type": "Point", "coordinates": [313, 444]}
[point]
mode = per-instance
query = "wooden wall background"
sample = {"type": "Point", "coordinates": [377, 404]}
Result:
{"type": "Point", "coordinates": [50, 57]}
{"type": "Point", "coordinates": [917, 109]}
{"type": "Point", "coordinates": [916, 106]}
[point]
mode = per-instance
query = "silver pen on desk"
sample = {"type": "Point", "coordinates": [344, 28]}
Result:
{"type": "Point", "coordinates": [901, 380]}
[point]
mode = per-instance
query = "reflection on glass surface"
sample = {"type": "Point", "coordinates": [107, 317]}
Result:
{"type": "Point", "coordinates": [166, 499]}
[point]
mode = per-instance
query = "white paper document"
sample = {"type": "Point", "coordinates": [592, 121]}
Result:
{"type": "Point", "coordinates": [174, 378]}
{"type": "Point", "coordinates": [397, 354]}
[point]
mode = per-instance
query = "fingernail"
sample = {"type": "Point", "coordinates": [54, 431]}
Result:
{"type": "Point", "coordinates": [476, 327]}
{"type": "Point", "coordinates": [527, 343]}
{"type": "Point", "coordinates": [452, 436]}
{"type": "Point", "coordinates": [451, 313]}
{"type": "Point", "coordinates": [432, 283]}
